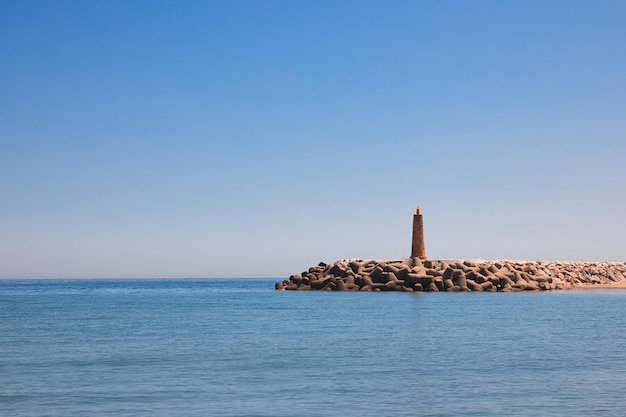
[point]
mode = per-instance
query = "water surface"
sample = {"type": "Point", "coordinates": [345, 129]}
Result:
{"type": "Point", "coordinates": [239, 348]}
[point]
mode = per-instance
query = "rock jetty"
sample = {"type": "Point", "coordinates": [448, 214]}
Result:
{"type": "Point", "coordinates": [414, 274]}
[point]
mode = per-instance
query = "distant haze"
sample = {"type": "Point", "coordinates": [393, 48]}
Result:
{"type": "Point", "coordinates": [255, 139]}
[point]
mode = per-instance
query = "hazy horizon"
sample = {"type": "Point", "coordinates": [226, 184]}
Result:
{"type": "Point", "coordinates": [256, 139]}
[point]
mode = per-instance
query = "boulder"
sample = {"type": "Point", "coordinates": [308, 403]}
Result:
{"type": "Point", "coordinates": [472, 285]}
{"type": "Point", "coordinates": [447, 273]}
{"type": "Point", "coordinates": [376, 274]}
{"type": "Point", "coordinates": [460, 280]}
{"type": "Point", "coordinates": [340, 285]}
{"type": "Point", "coordinates": [391, 285]}
{"type": "Point", "coordinates": [416, 263]}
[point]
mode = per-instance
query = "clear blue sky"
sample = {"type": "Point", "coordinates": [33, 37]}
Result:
{"type": "Point", "coordinates": [257, 138]}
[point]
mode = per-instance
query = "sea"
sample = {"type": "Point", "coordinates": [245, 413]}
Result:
{"type": "Point", "coordinates": [238, 348]}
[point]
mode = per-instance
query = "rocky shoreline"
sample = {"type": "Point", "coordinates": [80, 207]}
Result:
{"type": "Point", "coordinates": [414, 274]}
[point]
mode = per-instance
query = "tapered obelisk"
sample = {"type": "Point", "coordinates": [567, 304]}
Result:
{"type": "Point", "coordinates": [418, 249]}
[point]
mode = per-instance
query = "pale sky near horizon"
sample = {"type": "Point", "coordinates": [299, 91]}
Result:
{"type": "Point", "coordinates": [257, 138]}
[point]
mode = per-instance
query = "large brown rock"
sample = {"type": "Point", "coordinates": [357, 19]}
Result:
{"type": "Point", "coordinates": [472, 285]}
{"type": "Point", "coordinates": [376, 274]}
{"type": "Point", "coordinates": [391, 285]}
{"type": "Point", "coordinates": [321, 283]}
{"type": "Point", "coordinates": [367, 281]}
{"type": "Point", "coordinates": [448, 273]}
{"type": "Point", "coordinates": [460, 279]}
{"type": "Point", "coordinates": [340, 285]}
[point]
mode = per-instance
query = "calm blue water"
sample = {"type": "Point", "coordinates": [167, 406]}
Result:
{"type": "Point", "coordinates": [238, 348]}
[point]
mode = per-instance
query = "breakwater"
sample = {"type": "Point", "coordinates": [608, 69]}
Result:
{"type": "Point", "coordinates": [414, 274]}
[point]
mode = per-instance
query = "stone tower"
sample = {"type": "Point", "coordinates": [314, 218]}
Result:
{"type": "Point", "coordinates": [418, 249]}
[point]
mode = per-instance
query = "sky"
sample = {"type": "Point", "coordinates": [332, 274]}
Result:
{"type": "Point", "coordinates": [258, 138]}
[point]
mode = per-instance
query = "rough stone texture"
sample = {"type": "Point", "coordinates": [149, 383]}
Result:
{"type": "Point", "coordinates": [418, 247]}
{"type": "Point", "coordinates": [413, 274]}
